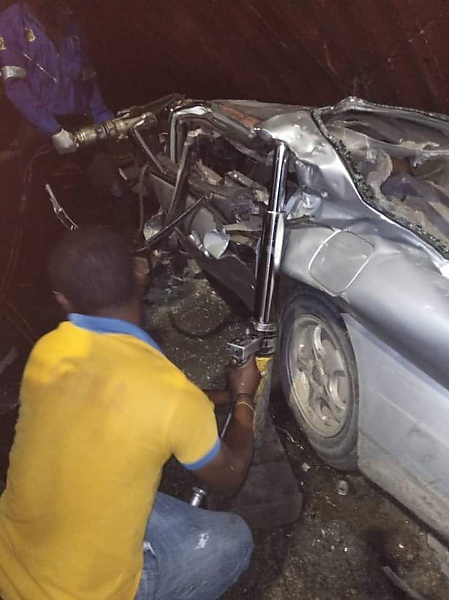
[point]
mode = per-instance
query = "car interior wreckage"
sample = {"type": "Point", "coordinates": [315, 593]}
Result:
{"type": "Point", "coordinates": [332, 225]}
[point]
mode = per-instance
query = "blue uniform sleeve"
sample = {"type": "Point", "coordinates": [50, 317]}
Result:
{"type": "Point", "coordinates": [97, 108]}
{"type": "Point", "coordinates": [14, 75]}
{"type": "Point", "coordinates": [20, 94]}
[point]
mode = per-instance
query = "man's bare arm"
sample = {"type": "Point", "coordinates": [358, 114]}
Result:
{"type": "Point", "coordinates": [218, 397]}
{"type": "Point", "coordinates": [227, 471]}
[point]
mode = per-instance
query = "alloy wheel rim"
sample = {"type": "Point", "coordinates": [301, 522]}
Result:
{"type": "Point", "coordinates": [319, 376]}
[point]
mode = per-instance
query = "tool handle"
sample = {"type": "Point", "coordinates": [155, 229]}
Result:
{"type": "Point", "coordinates": [198, 496]}
{"type": "Point", "coordinates": [200, 493]}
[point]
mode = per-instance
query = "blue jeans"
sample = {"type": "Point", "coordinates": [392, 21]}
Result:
{"type": "Point", "coordinates": [190, 553]}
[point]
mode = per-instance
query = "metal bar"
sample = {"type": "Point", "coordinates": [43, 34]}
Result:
{"type": "Point", "coordinates": [182, 179]}
{"type": "Point", "coordinates": [167, 230]}
{"type": "Point", "coordinates": [272, 220]}
{"type": "Point", "coordinates": [176, 122]}
{"type": "Point", "coordinates": [141, 143]}
{"type": "Point", "coordinates": [203, 115]}
{"type": "Point", "coordinates": [262, 344]}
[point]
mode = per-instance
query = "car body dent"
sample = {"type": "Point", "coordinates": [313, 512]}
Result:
{"type": "Point", "coordinates": [382, 254]}
{"type": "Point", "coordinates": [388, 278]}
{"type": "Point", "coordinates": [318, 164]}
{"type": "Point", "coordinates": [339, 261]}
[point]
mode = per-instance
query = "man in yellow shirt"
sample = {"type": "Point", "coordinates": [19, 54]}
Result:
{"type": "Point", "coordinates": [101, 412]}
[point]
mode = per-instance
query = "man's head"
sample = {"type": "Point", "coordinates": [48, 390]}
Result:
{"type": "Point", "coordinates": [91, 272]}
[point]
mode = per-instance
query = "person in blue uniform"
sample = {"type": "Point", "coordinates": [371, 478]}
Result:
{"type": "Point", "coordinates": [48, 77]}
{"type": "Point", "coordinates": [46, 69]}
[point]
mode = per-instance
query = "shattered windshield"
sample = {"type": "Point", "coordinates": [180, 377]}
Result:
{"type": "Point", "coordinates": [405, 163]}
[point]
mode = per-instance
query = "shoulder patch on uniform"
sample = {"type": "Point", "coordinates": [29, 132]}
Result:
{"type": "Point", "coordinates": [29, 35]}
{"type": "Point", "coordinates": [2, 43]}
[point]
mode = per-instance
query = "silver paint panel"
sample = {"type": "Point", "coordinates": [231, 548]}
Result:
{"type": "Point", "coordinates": [404, 427]}
{"type": "Point", "coordinates": [391, 285]}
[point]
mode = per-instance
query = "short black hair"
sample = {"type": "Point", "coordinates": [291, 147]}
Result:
{"type": "Point", "coordinates": [93, 268]}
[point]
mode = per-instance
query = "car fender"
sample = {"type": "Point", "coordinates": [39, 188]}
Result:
{"type": "Point", "coordinates": [393, 288]}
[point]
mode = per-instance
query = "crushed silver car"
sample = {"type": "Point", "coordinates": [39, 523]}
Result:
{"type": "Point", "coordinates": [356, 197]}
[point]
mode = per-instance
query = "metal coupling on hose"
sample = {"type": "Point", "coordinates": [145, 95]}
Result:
{"type": "Point", "coordinates": [110, 130]}
{"type": "Point", "coordinates": [93, 133]}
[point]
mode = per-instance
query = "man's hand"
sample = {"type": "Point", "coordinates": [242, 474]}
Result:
{"type": "Point", "coordinates": [64, 142]}
{"type": "Point", "coordinates": [244, 379]}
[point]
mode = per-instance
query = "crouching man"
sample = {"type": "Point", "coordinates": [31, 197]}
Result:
{"type": "Point", "coordinates": [102, 410]}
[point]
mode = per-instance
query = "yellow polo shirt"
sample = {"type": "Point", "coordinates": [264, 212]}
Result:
{"type": "Point", "coordinates": [100, 414]}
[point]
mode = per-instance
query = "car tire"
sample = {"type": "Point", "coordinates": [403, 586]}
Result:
{"type": "Point", "coordinates": [318, 375]}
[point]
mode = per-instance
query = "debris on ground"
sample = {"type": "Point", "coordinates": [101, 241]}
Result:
{"type": "Point", "coordinates": [442, 553]}
{"type": "Point", "coordinates": [342, 487]}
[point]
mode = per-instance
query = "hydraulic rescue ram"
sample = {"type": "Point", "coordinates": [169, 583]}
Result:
{"type": "Point", "coordinates": [260, 339]}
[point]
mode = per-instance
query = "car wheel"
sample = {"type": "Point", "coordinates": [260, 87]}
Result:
{"type": "Point", "coordinates": [319, 378]}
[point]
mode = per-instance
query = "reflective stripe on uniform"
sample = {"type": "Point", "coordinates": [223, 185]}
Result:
{"type": "Point", "coordinates": [10, 72]}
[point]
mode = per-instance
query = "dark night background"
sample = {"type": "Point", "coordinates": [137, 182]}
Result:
{"type": "Point", "coordinates": [306, 52]}
{"type": "Point", "coordinates": [294, 51]}
{"type": "Point", "coordinates": [309, 52]}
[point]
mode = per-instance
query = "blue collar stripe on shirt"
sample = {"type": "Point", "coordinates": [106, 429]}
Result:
{"type": "Point", "coordinates": [108, 325]}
